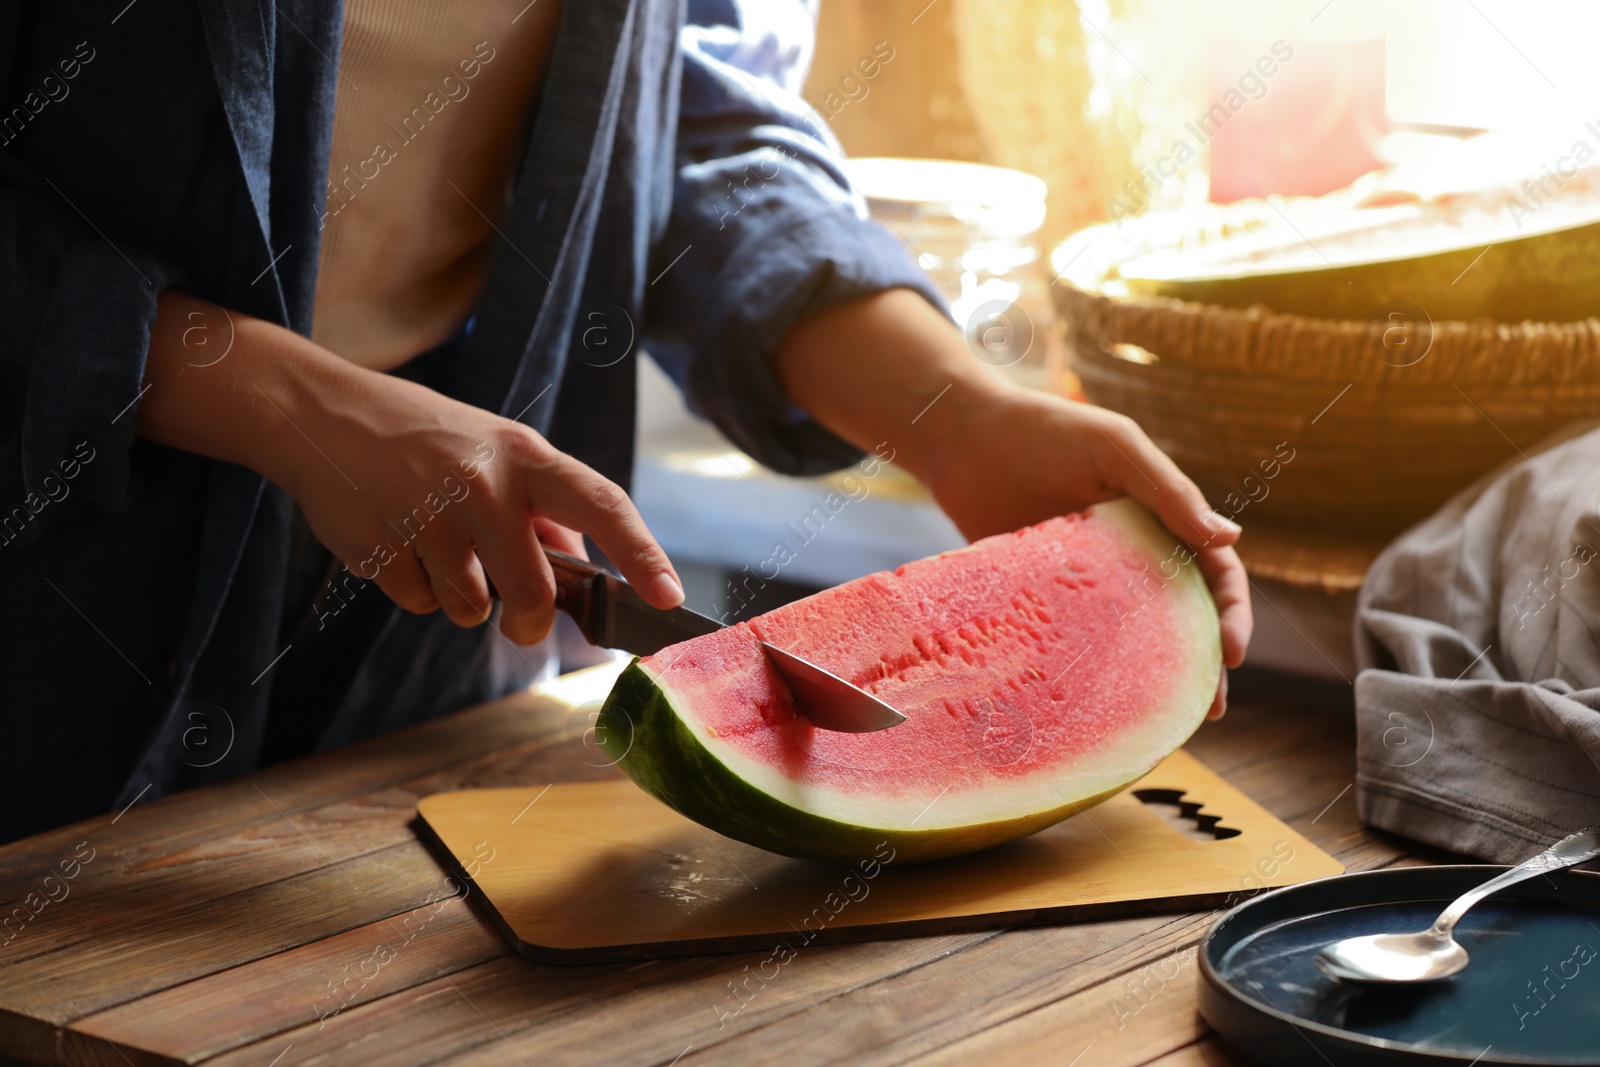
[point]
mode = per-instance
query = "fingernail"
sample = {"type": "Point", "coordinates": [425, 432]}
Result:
{"type": "Point", "coordinates": [666, 590]}
{"type": "Point", "coordinates": [1220, 524]}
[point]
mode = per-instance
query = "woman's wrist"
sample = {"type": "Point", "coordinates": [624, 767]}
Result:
{"type": "Point", "coordinates": [236, 388]}
{"type": "Point", "coordinates": [299, 388]}
{"type": "Point", "coordinates": [891, 369]}
{"type": "Point", "coordinates": [943, 438]}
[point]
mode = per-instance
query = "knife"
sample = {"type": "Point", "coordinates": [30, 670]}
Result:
{"type": "Point", "coordinates": [611, 615]}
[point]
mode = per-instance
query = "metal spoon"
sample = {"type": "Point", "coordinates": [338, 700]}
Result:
{"type": "Point", "coordinates": [1433, 953]}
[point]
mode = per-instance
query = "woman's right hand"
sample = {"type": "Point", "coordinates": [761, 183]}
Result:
{"type": "Point", "coordinates": [429, 497]}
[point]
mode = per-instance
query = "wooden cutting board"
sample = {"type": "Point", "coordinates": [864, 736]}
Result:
{"type": "Point", "coordinates": [600, 871]}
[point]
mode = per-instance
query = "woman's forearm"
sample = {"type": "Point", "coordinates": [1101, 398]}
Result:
{"type": "Point", "coordinates": [888, 367]}
{"type": "Point", "coordinates": [427, 496]}
{"type": "Point", "coordinates": [230, 386]}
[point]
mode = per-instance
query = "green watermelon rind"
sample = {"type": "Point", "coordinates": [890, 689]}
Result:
{"type": "Point", "coordinates": [648, 741]}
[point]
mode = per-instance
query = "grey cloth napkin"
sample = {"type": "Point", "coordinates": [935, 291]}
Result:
{"type": "Point", "coordinates": [1478, 642]}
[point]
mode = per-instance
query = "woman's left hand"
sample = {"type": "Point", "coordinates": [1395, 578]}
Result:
{"type": "Point", "coordinates": [890, 368]}
{"type": "Point", "coordinates": [1021, 457]}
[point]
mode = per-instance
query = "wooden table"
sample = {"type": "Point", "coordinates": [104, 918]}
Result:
{"type": "Point", "coordinates": [294, 917]}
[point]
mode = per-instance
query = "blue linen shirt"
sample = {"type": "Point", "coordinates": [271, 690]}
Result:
{"type": "Point", "coordinates": [672, 182]}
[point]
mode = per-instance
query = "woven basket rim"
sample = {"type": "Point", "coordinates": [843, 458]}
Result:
{"type": "Point", "coordinates": [1263, 341]}
{"type": "Point", "coordinates": [1296, 320]}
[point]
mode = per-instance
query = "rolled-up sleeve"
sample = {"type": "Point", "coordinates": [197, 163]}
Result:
{"type": "Point", "coordinates": [764, 230]}
{"type": "Point", "coordinates": [75, 318]}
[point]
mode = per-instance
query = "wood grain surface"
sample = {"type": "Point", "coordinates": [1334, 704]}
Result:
{"type": "Point", "coordinates": [296, 917]}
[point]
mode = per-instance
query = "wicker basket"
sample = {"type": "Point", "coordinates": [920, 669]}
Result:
{"type": "Point", "coordinates": [1382, 420]}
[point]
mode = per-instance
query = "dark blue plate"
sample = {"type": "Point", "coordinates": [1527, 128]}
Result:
{"type": "Point", "coordinates": [1530, 995]}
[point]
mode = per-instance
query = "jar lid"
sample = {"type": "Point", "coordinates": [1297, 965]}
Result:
{"type": "Point", "coordinates": [996, 201]}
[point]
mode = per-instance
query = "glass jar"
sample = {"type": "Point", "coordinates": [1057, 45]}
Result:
{"type": "Point", "coordinates": [975, 230]}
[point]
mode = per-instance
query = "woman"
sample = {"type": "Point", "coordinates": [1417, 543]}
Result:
{"type": "Point", "coordinates": [294, 301]}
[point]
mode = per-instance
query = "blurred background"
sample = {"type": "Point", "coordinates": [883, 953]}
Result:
{"type": "Point", "coordinates": [1097, 111]}
{"type": "Point", "coordinates": [1086, 94]}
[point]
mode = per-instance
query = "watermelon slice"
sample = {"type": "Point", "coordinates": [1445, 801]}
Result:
{"type": "Point", "coordinates": [1041, 672]}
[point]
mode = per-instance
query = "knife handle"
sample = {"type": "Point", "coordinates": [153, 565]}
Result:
{"type": "Point", "coordinates": [580, 591]}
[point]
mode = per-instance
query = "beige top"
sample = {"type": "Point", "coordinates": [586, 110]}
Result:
{"type": "Point", "coordinates": [431, 102]}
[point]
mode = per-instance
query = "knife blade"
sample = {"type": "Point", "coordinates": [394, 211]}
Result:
{"type": "Point", "coordinates": [610, 614]}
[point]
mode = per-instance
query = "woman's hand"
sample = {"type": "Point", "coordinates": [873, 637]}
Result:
{"type": "Point", "coordinates": [430, 497]}
{"type": "Point", "coordinates": [890, 369]}
{"type": "Point", "coordinates": [426, 496]}
{"type": "Point", "coordinates": [1021, 457]}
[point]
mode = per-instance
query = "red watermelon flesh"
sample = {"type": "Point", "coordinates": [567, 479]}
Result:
{"type": "Point", "coordinates": [1039, 671]}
